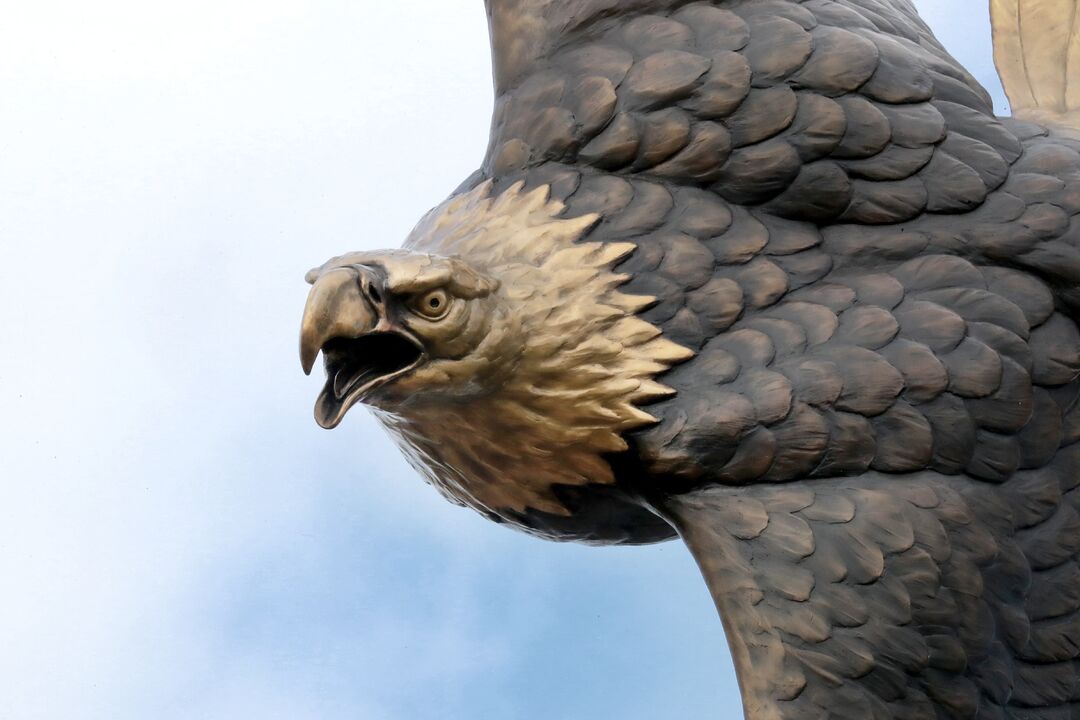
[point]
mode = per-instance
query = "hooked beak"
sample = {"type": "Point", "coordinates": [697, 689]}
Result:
{"type": "Point", "coordinates": [361, 349]}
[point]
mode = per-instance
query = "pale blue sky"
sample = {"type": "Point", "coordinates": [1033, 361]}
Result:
{"type": "Point", "coordinates": [177, 537]}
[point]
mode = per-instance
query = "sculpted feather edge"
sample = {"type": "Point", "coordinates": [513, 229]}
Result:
{"type": "Point", "coordinates": [554, 364]}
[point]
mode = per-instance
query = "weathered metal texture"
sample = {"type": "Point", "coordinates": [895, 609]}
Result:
{"type": "Point", "coordinates": [772, 275]}
{"type": "Point", "coordinates": [876, 597]}
{"type": "Point", "coordinates": [1037, 51]}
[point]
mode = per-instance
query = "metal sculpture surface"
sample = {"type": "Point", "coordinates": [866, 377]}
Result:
{"type": "Point", "coordinates": [771, 276]}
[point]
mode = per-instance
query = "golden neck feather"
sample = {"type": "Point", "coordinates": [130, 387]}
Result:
{"type": "Point", "coordinates": [583, 366]}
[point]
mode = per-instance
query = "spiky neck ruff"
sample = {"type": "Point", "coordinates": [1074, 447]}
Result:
{"type": "Point", "coordinates": [575, 362]}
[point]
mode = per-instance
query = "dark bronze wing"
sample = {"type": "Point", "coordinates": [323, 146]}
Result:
{"type": "Point", "coordinates": [878, 597]}
{"type": "Point", "coordinates": [874, 453]}
{"type": "Point", "coordinates": [825, 111]}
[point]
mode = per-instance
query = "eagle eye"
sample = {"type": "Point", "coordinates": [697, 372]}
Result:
{"type": "Point", "coordinates": [432, 305]}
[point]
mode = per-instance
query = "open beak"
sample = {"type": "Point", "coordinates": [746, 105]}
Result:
{"type": "Point", "coordinates": [360, 348]}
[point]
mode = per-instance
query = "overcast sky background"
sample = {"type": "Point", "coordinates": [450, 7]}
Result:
{"type": "Point", "coordinates": [177, 537]}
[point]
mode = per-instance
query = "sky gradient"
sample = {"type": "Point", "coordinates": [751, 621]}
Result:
{"type": "Point", "coordinates": [178, 539]}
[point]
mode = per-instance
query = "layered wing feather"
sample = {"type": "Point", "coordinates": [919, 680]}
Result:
{"type": "Point", "coordinates": [823, 110]}
{"type": "Point", "coordinates": [831, 112]}
{"type": "Point", "coordinates": [878, 598]}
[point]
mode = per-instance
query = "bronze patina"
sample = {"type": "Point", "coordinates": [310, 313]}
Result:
{"type": "Point", "coordinates": [770, 276]}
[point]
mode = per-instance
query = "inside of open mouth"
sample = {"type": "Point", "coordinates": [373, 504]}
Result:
{"type": "Point", "coordinates": [352, 363]}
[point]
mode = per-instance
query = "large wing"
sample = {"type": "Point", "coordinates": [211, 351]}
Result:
{"type": "Point", "coordinates": [1037, 51]}
{"type": "Point", "coordinates": [839, 113]}
{"type": "Point", "coordinates": [826, 110]}
{"type": "Point", "coordinates": [875, 599]}
{"type": "Point", "coordinates": [823, 346]}
{"type": "Point", "coordinates": [873, 453]}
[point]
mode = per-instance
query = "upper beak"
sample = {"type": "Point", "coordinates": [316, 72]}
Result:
{"type": "Point", "coordinates": [336, 307]}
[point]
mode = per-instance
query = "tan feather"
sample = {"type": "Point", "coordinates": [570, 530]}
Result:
{"type": "Point", "coordinates": [1037, 52]}
{"type": "Point", "coordinates": [587, 360]}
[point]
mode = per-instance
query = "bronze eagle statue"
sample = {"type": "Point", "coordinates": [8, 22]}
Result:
{"type": "Point", "coordinates": [770, 276]}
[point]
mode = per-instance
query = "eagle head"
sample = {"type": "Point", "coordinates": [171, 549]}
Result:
{"type": "Point", "coordinates": [396, 325]}
{"type": "Point", "coordinates": [501, 355]}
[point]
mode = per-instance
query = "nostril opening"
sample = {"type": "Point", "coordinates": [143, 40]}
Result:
{"type": "Point", "coordinates": [374, 293]}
